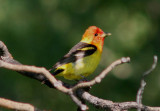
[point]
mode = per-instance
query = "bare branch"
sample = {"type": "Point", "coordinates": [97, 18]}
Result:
{"type": "Point", "coordinates": [16, 105]}
{"type": "Point", "coordinates": [99, 78]}
{"type": "Point", "coordinates": [36, 70]}
{"type": "Point", "coordinates": [113, 106]}
{"type": "Point", "coordinates": [143, 83]}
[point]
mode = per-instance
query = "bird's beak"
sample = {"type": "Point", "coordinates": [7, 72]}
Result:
{"type": "Point", "coordinates": [107, 34]}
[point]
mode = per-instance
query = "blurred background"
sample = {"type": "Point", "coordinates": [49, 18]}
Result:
{"type": "Point", "coordinates": [40, 32]}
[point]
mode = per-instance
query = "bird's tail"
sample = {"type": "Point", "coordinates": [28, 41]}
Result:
{"type": "Point", "coordinates": [56, 72]}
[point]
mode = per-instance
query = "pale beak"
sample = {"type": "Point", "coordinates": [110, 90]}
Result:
{"type": "Point", "coordinates": [107, 34]}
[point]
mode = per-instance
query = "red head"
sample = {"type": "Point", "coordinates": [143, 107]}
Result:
{"type": "Point", "coordinates": [94, 35]}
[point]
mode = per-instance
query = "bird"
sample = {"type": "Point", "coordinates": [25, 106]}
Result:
{"type": "Point", "coordinates": [84, 57]}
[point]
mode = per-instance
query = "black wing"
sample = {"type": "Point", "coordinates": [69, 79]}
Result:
{"type": "Point", "coordinates": [77, 52]}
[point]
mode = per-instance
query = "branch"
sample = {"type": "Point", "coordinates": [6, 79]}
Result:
{"type": "Point", "coordinates": [113, 106]}
{"type": "Point", "coordinates": [6, 56]}
{"type": "Point", "coordinates": [36, 70]}
{"type": "Point", "coordinates": [17, 105]}
{"type": "Point", "coordinates": [143, 83]}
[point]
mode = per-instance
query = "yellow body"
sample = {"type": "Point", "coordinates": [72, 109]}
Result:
{"type": "Point", "coordinates": [81, 68]}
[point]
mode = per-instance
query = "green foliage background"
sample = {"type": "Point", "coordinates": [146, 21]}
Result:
{"type": "Point", "coordinates": [40, 32]}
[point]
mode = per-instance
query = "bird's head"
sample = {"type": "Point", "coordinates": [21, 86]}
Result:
{"type": "Point", "coordinates": [94, 35]}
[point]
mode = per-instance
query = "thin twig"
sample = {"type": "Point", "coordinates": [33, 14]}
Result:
{"type": "Point", "coordinates": [82, 106]}
{"type": "Point", "coordinates": [143, 83]}
{"type": "Point", "coordinates": [4, 51]}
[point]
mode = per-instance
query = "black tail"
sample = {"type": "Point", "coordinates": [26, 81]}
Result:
{"type": "Point", "coordinates": [56, 72]}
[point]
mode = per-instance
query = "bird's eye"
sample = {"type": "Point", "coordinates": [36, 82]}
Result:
{"type": "Point", "coordinates": [96, 34]}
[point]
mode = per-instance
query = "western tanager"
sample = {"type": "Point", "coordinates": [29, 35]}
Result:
{"type": "Point", "coordinates": [84, 57]}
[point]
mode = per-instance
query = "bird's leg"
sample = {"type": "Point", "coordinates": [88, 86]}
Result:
{"type": "Point", "coordinates": [84, 79]}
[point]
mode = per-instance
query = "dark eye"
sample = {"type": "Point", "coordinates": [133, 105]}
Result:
{"type": "Point", "coordinates": [96, 34]}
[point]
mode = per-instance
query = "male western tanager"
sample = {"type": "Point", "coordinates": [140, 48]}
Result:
{"type": "Point", "coordinates": [84, 57]}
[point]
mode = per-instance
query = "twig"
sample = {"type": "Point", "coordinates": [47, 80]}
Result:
{"type": "Point", "coordinates": [143, 83]}
{"type": "Point", "coordinates": [99, 78]}
{"type": "Point", "coordinates": [82, 106]}
{"type": "Point", "coordinates": [4, 51]}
